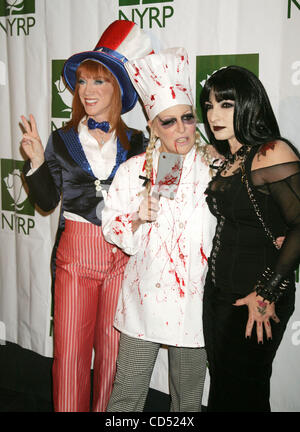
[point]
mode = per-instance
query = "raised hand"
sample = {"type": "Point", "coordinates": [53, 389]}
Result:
{"type": "Point", "coordinates": [31, 142]}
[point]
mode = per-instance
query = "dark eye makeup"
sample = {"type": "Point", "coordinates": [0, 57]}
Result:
{"type": "Point", "coordinates": [224, 104]}
{"type": "Point", "coordinates": [187, 118]}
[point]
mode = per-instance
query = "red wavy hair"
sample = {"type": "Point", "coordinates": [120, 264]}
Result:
{"type": "Point", "coordinates": [96, 70]}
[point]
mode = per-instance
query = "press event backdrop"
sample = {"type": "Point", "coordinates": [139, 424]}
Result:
{"type": "Point", "coordinates": [35, 38]}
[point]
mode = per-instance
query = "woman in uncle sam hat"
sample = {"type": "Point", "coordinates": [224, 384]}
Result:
{"type": "Point", "coordinates": [168, 238]}
{"type": "Point", "coordinates": [78, 166]}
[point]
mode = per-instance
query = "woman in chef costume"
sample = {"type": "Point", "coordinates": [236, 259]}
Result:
{"type": "Point", "coordinates": [168, 239]}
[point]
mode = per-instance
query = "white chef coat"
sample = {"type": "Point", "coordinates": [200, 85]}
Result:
{"type": "Point", "coordinates": [161, 296]}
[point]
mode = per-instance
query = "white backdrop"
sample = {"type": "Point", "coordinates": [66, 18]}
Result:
{"type": "Point", "coordinates": [35, 37]}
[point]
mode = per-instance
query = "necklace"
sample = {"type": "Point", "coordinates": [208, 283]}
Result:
{"type": "Point", "coordinates": [237, 158]}
{"type": "Point", "coordinates": [102, 142]}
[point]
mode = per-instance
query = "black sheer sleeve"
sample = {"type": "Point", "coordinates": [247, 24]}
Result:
{"type": "Point", "coordinates": [282, 182]}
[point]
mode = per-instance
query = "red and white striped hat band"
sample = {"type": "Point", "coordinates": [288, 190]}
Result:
{"type": "Point", "coordinates": [122, 41]}
{"type": "Point", "coordinates": [162, 80]}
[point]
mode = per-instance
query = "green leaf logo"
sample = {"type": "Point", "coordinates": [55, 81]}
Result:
{"type": "Point", "coordinates": [16, 7]}
{"type": "Point", "coordinates": [14, 196]}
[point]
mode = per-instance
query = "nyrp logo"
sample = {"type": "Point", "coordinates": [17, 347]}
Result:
{"type": "Point", "coordinates": [14, 199]}
{"type": "Point", "coordinates": [61, 96]}
{"type": "Point", "coordinates": [290, 3]}
{"type": "Point", "coordinates": [146, 13]}
{"type": "Point", "coordinates": [13, 24]}
{"type": "Point", "coordinates": [206, 65]}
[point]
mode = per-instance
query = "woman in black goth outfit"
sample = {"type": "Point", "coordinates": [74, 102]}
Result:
{"type": "Point", "coordinates": [255, 195]}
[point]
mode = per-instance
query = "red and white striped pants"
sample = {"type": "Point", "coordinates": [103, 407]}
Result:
{"type": "Point", "coordinates": [89, 273]}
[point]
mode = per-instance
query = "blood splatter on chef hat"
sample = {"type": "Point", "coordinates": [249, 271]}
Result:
{"type": "Point", "coordinates": [162, 80]}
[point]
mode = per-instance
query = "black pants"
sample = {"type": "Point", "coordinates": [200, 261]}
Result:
{"type": "Point", "coordinates": [240, 369]}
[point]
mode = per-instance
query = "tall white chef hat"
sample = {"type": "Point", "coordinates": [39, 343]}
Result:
{"type": "Point", "coordinates": [162, 80]}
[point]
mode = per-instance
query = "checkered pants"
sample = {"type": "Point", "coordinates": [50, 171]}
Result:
{"type": "Point", "coordinates": [135, 363]}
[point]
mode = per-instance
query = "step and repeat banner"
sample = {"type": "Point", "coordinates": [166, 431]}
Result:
{"type": "Point", "coordinates": [36, 36]}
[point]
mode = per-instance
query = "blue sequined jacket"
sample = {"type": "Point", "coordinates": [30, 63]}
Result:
{"type": "Point", "coordinates": [67, 175]}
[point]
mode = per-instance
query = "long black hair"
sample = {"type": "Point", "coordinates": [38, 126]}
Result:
{"type": "Point", "coordinates": [254, 119]}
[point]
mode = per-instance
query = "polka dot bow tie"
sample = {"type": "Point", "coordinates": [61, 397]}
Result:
{"type": "Point", "coordinates": [104, 126]}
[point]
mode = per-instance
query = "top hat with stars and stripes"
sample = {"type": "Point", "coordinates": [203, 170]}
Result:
{"type": "Point", "coordinates": [122, 41]}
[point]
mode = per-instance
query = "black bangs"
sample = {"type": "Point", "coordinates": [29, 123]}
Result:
{"type": "Point", "coordinates": [223, 92]}
{"type": "Point", "coordinates": [222, 86]}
